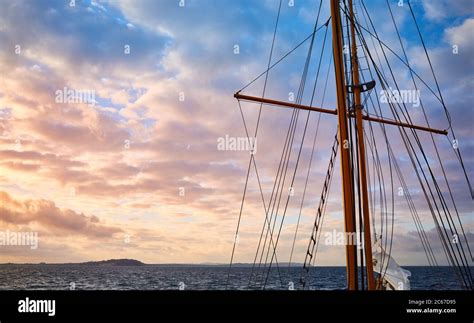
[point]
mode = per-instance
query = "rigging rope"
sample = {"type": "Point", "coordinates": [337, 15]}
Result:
{"type": "Point", "coordinates": [286, 55]}
{"type": "Point", "coordinates": [445, 238]}
{"type": "Point", "coordinates": [450, 126]}
{"type": "Point", "coordinates": [251, 156]}
{"type": "Point", "coordinates": [311, 159]}
{"type": "Point", "coordinates": [284, 160]}
{"type": "Point", "coordinates": [433, 194]}
{"type": "Point", "coordinates": [426, 117]}
{"type": "Point", "coordinates": [384, 214]}
{"type": "Point", "coordinates": [299, 100]}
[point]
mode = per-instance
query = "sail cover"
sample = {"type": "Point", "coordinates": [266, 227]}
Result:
{"type": "Point", "coordinates": [388, 268]}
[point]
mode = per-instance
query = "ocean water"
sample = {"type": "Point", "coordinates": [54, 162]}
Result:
{"type": "Point", "coordinates": [160, 277]}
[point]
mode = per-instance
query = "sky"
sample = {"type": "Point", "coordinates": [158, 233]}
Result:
{"type": "Point", "coordinates": [129, 166]}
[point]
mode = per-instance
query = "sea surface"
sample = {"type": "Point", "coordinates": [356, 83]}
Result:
{"type": "Point", "coordinates": [169, 277]}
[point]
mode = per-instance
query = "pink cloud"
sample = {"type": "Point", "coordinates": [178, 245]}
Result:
{"type": "Point", "coordinates": [51, 218]}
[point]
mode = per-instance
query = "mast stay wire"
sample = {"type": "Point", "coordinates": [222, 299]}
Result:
{"type": "Point", "coordinates": [319, 219]}
{"type": "Point", "coordinates": [286, 55]}
{"type": "Point", "coordinates": [251, 156]}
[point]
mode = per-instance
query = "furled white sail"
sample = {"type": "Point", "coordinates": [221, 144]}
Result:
{"type": "Point", "coordinates": [394, 277]}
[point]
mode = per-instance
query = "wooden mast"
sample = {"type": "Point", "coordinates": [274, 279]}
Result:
{"type": "Point", "coordinates": [344, 146]}
{"type": "Point", "coordinates": [361, 149]}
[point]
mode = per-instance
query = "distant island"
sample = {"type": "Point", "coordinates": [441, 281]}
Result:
{"type": "Point", "coordinates": [114, 262]}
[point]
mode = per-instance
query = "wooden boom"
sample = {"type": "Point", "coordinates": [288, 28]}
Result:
{"type": "Point", "coordinates": [334, 112]}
